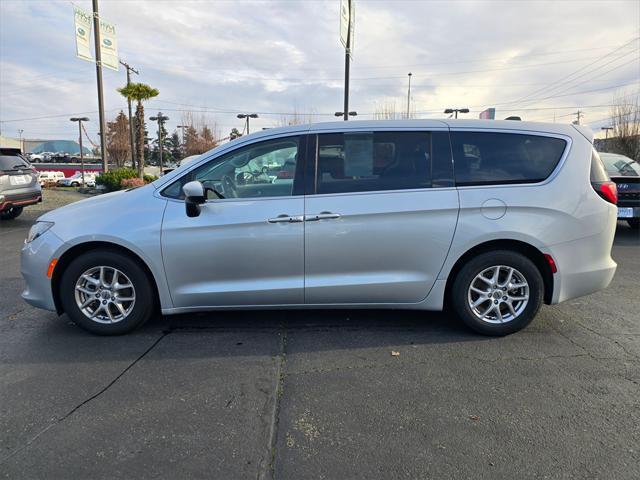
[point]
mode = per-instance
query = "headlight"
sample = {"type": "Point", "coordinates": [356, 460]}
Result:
{"type": "Point", "coordinates": [38, 229]}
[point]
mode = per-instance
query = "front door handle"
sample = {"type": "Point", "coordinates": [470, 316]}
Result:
{"type": "Point", "coordinates": [284, 218]}
{"type": "Point", "coordinates": [321, 216]}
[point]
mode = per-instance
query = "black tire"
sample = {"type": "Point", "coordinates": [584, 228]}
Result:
{"type": "Point", "coordinates": [11, 213]}
{"type": "Point", "coordinates": [634, 223]}
{"type": "Point", "coordinates": [145, 298]}
{"type": "Point", "coordinates": [75, 184]}
{"type": "Point", "coordinates": [460, 291]}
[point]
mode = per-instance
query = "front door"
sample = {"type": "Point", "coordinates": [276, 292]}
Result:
{"type": "Point", "coordinates": [247, 248]}
{"type": "Point", "coordinates": [381, 218]}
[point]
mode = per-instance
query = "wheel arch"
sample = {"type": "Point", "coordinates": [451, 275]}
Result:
{"type": "Point", "coordinates": [69, 255]}
{"type": "Point", "coordinates": [526, 249]}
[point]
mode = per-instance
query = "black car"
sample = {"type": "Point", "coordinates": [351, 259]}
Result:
{"type": "Point", "coordinates": [19, 184]}
{"type": "Point", "coordinates": [625, 172]}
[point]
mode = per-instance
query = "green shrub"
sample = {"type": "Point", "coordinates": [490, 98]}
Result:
{"type": "Point", "coordinates": [112, 180]}
{"type": "Point", "coordinates": [149, 178]}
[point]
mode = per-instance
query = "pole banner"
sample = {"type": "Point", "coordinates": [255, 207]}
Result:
{"type": "Point", "coordinates": [108, 45]}
{"type": "Point", "coordinates": [82, 22]}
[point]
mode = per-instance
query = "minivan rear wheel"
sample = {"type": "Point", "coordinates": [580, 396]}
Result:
{"type": "Point", "coordinates": [106, 293]}
{"type": "Point", "coordinates": [497, 293]}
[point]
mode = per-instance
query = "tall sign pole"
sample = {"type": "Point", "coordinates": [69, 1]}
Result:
{"type": "Point", "coordinates": [347, 19]}
{"type": "Point", "coordinates": [96, 37]}
{"type": "Point", "coordinates": [131, 137]}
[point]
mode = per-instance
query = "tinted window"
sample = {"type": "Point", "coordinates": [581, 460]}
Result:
{"type": "Point", "coordinates": [488, 158]}
{"type": "Point", "coordinates": [620, 166]}
{"type": "Point", "coordinates": [264, 169]}
{"type": "Point", "coordinates": [12, 162]}
{"type": "Point", "coordinates": [371, 161]}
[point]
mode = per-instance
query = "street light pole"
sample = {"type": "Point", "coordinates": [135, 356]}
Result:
{"type": "Point", "coordinates": [409, 95]}
{"type": "Point", "coordinates": [21, 146]}
{"type": "Point", "coordinates": [456, 110]}
{"type": "Point", "coordinates": [606, 131]}
{"type": "Point", "coordinates": [347, 61]}
{"type": "Point", "coordinates": [160, 118]}
{"type": "Point", "coordinates": [131, 133]}
{"type": "Point", "coordinates": [247, 116]}
{"type": "Point", "coordinates": [184, 147]}
{"type": "Point", "coordinates": [80, 120]}
{"type": "Point", "coordinates": [96, 37]}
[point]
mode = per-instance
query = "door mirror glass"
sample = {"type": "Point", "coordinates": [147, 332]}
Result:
{"type": "Point", "coordinates": [194, 196]}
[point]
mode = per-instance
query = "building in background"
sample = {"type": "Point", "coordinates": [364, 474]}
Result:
{"type": "Point", "coordinates": [67, 146]}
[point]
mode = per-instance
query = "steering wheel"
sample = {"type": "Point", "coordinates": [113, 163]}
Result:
{"type": "Point", "coordinates": [229, 187]}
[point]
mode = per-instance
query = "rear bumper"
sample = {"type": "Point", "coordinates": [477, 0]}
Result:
{"type": "Point", "coordinates": [19, 199]}
{"type": "Point", "coordinates": [635, 211]}
{"type": "Point", "coordinates": [584, 265]}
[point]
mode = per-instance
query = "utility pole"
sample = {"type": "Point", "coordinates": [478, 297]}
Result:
{"type": "Point", "coordinates": [579, 114]}
{"type": "Point", "coordinates": [131, 134]}
{"type": "Point", "coordinates": [21, 145]}
{"type": "Point", "coordinates": [96, 37]}
{"type": "Point", "coordinates": [247, 116]}
{"type": "Point", "coordinates": [80, 120]}
{"type": "Point", "coordinates": [160, 118]}
{"type": "Point", "coordinates": [409, 96]}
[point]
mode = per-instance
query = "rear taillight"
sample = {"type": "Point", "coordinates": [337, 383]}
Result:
{"type": "Point", "coordinates": [607, 190]}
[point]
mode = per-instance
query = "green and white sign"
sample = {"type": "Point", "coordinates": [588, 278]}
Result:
{"type": "Point", "coordinates": [108, 45]}
{"type": "Point", "coordinates": [82, 22]}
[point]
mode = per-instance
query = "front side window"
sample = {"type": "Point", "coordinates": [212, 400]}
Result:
{"type": "Point", "coordinates": [264, 169]}
{"type": "Point", "coordinates": [485, 158]}
{"type": "Point", "coordinates": [373, 161]}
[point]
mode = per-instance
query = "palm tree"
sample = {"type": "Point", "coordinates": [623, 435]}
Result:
{"type": "Point", "coordinates": [139, 92]}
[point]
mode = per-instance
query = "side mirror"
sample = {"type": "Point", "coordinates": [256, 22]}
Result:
{"type": "Point", "coordinates": [194, 196]}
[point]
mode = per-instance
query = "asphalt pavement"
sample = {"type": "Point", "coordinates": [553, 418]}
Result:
{"type": "Point", "coordinates": [319, 394]}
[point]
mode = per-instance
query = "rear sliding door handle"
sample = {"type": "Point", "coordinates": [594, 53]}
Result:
{"type": "Point", "coordinates": [321, 216]}
{"type": "Point", "coordinates": [284, 218]}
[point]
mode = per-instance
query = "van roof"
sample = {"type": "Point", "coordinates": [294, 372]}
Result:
{"type": "Point", "coordinates": [557, 128]}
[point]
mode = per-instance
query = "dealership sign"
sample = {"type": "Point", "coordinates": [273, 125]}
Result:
{"type": "Point", "coordinates": [108, 41]}
{"type": "Point", "coordinates": [82, 21]}
{"type": "Point", "coordinates": [108, 45]}
{"type": "Point", "coordinates": [347, 24]}
{"type": "Point", "coordinates": [488, 114]}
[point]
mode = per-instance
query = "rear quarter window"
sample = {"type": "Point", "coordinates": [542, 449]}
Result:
{"type": "Point", "coordinates": [486, 158]}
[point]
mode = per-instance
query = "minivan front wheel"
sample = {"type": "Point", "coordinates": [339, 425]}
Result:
{"type": "Point", "coordinates": [498, 293]}
{"type": "Point", "coordinates": [106, 292]}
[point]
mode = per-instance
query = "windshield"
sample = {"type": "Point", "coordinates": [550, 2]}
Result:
{"type": "Point", "coordinates": [12, 162]}
{"type": "Point", "coordinates": [619, 165]}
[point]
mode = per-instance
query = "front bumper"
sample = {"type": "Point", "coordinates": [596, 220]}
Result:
{"type": "Point", "coordinates": [35, 258]}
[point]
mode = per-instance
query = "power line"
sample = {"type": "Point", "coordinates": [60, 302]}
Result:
{"type": "Point", "coordinates": [563, 79]}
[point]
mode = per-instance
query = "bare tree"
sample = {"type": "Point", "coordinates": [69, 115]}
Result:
{"type": "Point", "coordinates": [625, 120]}
{"type": "Point", "coordinates": [118, 145]}
{"type": "Point", "coordinates": [387, 111]}
{"type": "Point", "coordinates": [200, 135]}
{"type": "Point", "coordinates": [296, 118]}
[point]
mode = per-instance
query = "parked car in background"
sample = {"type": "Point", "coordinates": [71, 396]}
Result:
{"type": "Point", "coordinates": [625, 172]}
{"type": "Point", "coordinates": [50, 178]}
{"type": "Point", "coordinates": [489, 218]}
{"type": "Point", "coordinates": [75, 180]}
{"type": "Point", "coordinates": [19, 185]}
{"type": "Point", "coordinates": [40, 157]}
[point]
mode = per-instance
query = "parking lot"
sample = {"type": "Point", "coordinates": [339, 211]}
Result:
{"type": "Point", "coordinates": [319, 394]}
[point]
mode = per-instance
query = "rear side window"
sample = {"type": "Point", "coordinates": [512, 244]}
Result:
{"type": "Point", "coordinates": [12, 162]}
{"type": "Point", "coordinates": [373, 161]}
{"type": "Point", "coordinates": [484, 158]}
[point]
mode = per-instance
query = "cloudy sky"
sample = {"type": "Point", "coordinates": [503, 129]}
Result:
{"type": "Point", "coordinates": [539, 59]}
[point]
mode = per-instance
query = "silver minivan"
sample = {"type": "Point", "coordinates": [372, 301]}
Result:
{"type": "Point", "coordinates": [490, 218]}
